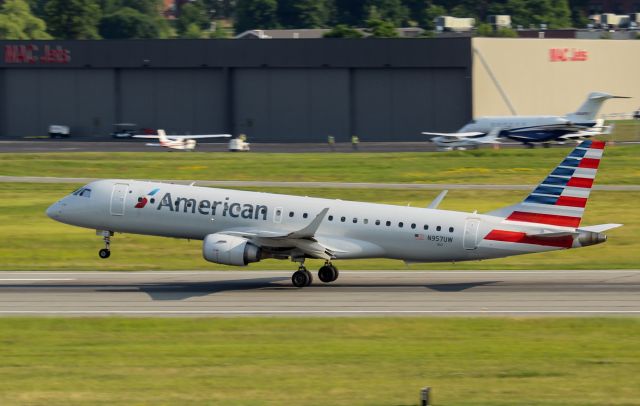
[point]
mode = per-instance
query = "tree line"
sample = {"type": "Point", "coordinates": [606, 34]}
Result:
{"type": "Point", "coordinates": [118, 19]}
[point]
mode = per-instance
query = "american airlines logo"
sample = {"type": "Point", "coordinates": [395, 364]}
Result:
{"type": "Point", "coordinates": [213, 207]}
{"type": "Point", "coordinates": [144, 200]}
{"type": "Point", "coordinates": [567, 55]}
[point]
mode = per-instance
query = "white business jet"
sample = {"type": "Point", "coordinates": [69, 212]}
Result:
{"type": "Point", "coordinates": [239, 227]}
{"type": "Point", "coordinates": [179, 142]}
{"type": "Point", "coordinates": [529, 129]}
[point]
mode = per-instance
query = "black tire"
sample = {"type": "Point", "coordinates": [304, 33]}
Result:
{"type": "Point", "coordinates": [309, 277]}
{"type": "Point", "coordinates": [104, 253]}
{"type": "Point", "coordinates": [328, 273]}
{"type": "Point", "coordinates": [301, 278]}
{"type": "Point", "coordinates": [336, 273]}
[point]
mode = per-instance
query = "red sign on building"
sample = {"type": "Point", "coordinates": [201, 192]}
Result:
{"type": "Point", "coordinates": [567, 55]}
{"type": "Point", "coordinates": [33, 54]}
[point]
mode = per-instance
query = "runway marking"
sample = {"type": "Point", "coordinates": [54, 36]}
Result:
{"type": "Point", "coordinates": [306, 312]}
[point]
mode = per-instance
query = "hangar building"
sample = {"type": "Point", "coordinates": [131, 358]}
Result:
{"type": "Point", "coordinates": [303, 90]}
{"type": "Point", "coordinates": [276, 90]}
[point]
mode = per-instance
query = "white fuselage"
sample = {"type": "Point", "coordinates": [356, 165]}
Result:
{"type": "Point", "coordinates": [486, 124]}
{"type": "Point", "coordinates": [350, 229]}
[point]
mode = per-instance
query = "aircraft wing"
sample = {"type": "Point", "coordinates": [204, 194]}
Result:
{"type": "Point", "coordinates": [454, 135]}
{"type": "Point", "coordinates": [184, 137]}
{"type": "Point", "coordinates": [302, 239]}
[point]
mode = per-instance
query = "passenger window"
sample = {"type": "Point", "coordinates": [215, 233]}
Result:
{"type": "Point", "coordinates": [426, 227]}
{"type": "Point", "coordinates": [400, 224]}
{"type": "Point", "coordinates": [330, 218]}
{"type": "Point", "coordinates": [290, 214]}
{"type": "Point", "coordinates": [343, 219]}
{"type": "Point", "coordinates": [365, 221]}
{"type": "Point", "coordinates": [305, 215]}
{"type": "Point", "coordinates": [377, 222]}
{"type": "Point", "coordinates": [451, 229]}
{"type": "Point", "coordinates": [388, 223]}
{"type": "Point", "coordinates": [413, 225]}
{"type": "Point", "coordinates": [355, 220]}
{"type": "Point", "coordinates": [438, 228]}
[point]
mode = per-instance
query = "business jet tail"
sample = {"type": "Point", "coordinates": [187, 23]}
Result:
{"type": "Point", "coordinates": [590, 108]}
{"type": "Point", "coordinates": [560, 199]}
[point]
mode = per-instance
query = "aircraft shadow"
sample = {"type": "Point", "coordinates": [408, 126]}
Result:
{"type": "Point", "coordinates": [458, 287]}
{"type": "Point", "coordinates": [187, 290]}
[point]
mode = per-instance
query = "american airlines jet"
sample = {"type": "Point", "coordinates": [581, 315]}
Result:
{"type": "Point", "coordinates": [239, 227]}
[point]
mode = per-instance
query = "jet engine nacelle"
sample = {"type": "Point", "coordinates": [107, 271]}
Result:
{"type": "Point", "coordinates": [230, 250]}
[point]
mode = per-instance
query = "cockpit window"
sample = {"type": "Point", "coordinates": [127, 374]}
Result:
{"type": "Point", "coordinates": [84, 192]}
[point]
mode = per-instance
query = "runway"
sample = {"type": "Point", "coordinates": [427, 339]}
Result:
{"type": "Point", "coordinates": [356, 293]}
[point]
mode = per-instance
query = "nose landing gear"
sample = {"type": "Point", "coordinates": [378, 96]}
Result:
{"type": "Point", "coordinates": [106, 237]}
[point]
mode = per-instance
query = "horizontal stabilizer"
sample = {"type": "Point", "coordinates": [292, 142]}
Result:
{"type": "Point", "coordinates": [600, 227]}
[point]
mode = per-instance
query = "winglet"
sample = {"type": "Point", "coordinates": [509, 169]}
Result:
{"type": "Point", "coordinates": [310, 230]}
{"type": "Point", "coordinates": [434, 204]}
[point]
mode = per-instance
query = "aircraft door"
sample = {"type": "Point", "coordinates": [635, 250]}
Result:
{"type": "Point", "coordinates": [470, 237]}
{"type": "Point", "coordinates": [277, 215]}
{"type": "Point", "coordinates": [118, 196]}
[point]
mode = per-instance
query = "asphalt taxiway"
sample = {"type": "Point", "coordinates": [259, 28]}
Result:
{"type": "Point", "coordinates": [355, 293]}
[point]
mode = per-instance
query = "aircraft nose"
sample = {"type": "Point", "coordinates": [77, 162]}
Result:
{"type": "Point", "coordinates": [55, 210]}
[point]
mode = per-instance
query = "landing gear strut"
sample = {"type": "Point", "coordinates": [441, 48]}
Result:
{"type": "Point", "coordinates": [106, 237]}
{"type": "Point", "coordinates": [328, 273]}
{"type": "Point", "coordinates": [301, 277]}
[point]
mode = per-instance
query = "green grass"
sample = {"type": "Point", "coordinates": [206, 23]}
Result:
{"type": "Point", "coordinates": [31, 241]}
{"type": "Point", "coordinates": [624, 130]}
{"type": "Point", "coordinates": [320, 361]}
{"type": "Point", "coordinates": [485, 166]}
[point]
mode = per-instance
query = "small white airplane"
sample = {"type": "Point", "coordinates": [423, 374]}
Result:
{"type": "Point", "coordinates": [179, 142]}
{"type": "Point", "coordinates": [239, 227]}
{"type": "Point", "coordinates": [530, 129]}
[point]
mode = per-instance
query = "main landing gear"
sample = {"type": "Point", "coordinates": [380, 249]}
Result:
{"type": "Point", "coordinates": [106, 237]}
{"type": "Point", "coordinates": [302, 277]}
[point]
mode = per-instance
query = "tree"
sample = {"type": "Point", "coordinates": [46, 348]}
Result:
{"type": "Point", "coordinates": [193, 31]}
{"type": "Point", "coordinates": [17, 22]}
{"type": "Point", "coordinates": [256, 14]}
{"type": "Point", "coordinates": [128, 23]}
{"type": "Point", "coordinates": [303, 13]}
{"type": "Point", "coordinates": [343, 31]}
{"type": "Point", "coordinates": [73, 19]}
{"type": "Point", "coordinates": [428, 15]}
{"type": "Point", "coordinates": [381, 28]}
{"type": "Point", "coordinates": [193, 13]}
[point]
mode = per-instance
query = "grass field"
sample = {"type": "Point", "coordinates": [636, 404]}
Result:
{"type": "Point", "coordinates": [321, 361]}
{"type": "Point", "coordinates": [31, 241]}
{"type": "Point", "coordinates": [624, 130]}
{"type": "Point", "coordinates": [506, 166]}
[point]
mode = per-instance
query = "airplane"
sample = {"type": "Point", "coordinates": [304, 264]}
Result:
{"type": "Point", "coordinates": [241, 227]}
{"type": "Point", "coordinates": [179, 142]}
{"type": "Point", "coordinates": [462, 141]}
{"type": "Point", "coordinates": [531, 129]}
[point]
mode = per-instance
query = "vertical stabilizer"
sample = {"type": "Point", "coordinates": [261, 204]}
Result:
{"type": "Point", "coordinates": [590, 108]}
{"type": "Point", "coordinates": [560, 199]}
